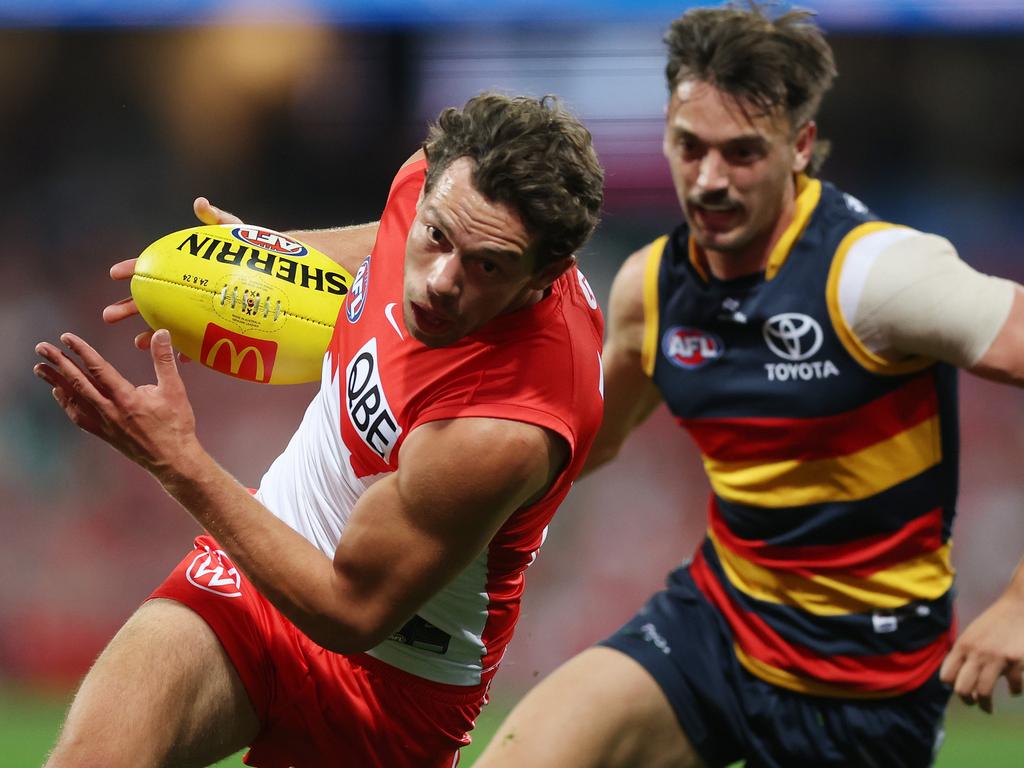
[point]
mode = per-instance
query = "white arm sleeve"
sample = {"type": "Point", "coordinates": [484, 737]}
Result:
{"type": "Point", "coordinates": [904, 293]}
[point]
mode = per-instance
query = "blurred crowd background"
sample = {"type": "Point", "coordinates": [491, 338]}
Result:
{"type": "Point", "coordinates": [112, 121]}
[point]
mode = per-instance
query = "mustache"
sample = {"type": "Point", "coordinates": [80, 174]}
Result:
{"type": "Point", "coordinates": [714, 201]}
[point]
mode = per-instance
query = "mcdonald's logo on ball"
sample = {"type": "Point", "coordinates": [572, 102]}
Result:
{"type": "Point", "coordinates": [236, 355]}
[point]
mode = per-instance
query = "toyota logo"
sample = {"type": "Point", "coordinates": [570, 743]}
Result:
{"type": "Point", "coordinates": [793, 336]}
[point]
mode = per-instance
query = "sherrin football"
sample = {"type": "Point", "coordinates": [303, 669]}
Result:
{"type": "Point", "coordinates": [243, 300]}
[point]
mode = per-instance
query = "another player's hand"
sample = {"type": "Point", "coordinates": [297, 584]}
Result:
{"type": "Point", "coordinates": [207, 213]}
{"type": "Point", "coordinates": [992, 646]}
{"type": "Point", "coordinates": [153, 425]}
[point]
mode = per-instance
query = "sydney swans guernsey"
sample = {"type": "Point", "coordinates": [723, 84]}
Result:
{"type": "Point", "coordinates": [539, 365]}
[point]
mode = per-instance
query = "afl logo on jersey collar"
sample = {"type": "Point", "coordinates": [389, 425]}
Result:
{"type": "Point", "coordinates": [356, 299]}
{"type": "Point", "coordinates": [691, 348]}
{"type": "Point", "coordinates": [793, 336]}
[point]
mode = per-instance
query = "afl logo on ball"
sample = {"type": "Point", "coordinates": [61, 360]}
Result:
{"type": "Point", "coordinates": [691, 348]}
{"type": "Point", "coordinates": [357, 293]}
{"type": "Point", "coordinates": [211, 571]}
{"type": "Point", "coordinates": [269, 240]}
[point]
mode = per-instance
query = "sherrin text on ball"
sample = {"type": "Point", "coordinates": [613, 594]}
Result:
{"type": "Point", "coordinates": [244, 300]}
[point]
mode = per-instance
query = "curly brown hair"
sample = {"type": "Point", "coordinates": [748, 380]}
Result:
{"type": "Point", "coordinates": [772, 64]}
{"type": "Point", "coordinates": [530, 154]}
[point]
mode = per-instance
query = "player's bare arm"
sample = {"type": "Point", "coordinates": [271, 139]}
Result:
{"type": "Point", "coordinates": [408, 535]}
{"type": "Point", "coordinates": [630, 396]}
{"type": "Point", "coordinates": [992, 646]}
{"type": "Point", "coordinates": [414, 531]}
{"type": "Point", "coordinates": [980, 329]}
{"type": "Point", "coordinates": [1004, 359]}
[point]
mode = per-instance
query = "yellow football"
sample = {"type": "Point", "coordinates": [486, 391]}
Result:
{"type": "Point", "coordinates": [243, 300]}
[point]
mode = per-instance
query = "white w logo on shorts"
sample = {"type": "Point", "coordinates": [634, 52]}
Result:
{"type": "Point", "coordinates": [212, 571]}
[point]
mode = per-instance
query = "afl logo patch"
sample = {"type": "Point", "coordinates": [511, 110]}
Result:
{"type": "Point", "coordinates": [269, 240]}
{"type": "Point", "coordinates": [793, 336]}
{"type": "Point", "coordinates": [691, 348]}
{"type": "Point", "coordinates": [357, 293]}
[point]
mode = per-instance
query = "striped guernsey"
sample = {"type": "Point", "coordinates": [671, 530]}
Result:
{"type": "Point", "coordinates": [833, 472]}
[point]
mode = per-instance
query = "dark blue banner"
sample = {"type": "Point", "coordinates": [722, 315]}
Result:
{"type": "Point", "coordinates": [866, 15]}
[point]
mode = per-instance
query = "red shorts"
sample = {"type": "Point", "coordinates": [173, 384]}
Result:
{"type": "Point", "coordinates": [318, 708]}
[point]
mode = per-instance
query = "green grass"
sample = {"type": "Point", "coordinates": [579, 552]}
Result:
{"type": "Point", "coordinates": [29, 722]}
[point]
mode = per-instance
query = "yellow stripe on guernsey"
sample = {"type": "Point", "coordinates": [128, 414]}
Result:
{"type": "Point", "coordinates": [864, 356]}
{"type": "Point", "coordinates": [794, 483]}
{"type": "Point", "coordinates": [808, 194]}
{"type": "Point", "coordinates": [925, 577]}
{"type": "Point", "coordinates": [649, 350]}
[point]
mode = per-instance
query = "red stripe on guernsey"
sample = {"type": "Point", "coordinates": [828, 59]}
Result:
{"type": "Point", "coordinates": [777, 439]}
{"type": "Point", "coordinates": [892, 673]}
{"type": "Point", "coordinates": [859, 558]}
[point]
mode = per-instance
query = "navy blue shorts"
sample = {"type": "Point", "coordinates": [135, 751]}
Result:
{"type": "Point", "coordinates": [729, 715]}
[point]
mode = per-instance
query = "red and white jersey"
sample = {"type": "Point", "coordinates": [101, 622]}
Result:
{"type": "Point", "coordinates": [540, 365]}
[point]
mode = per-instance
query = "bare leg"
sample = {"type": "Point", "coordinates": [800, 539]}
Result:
{"type": "Point", "coordinates": [598, 710]}
{"type": "Point", "coordinates": [163, 693]}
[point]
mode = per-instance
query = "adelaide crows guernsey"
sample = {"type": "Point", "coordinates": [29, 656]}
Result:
{"type": "Point", "coordinates": [833, 472]}
{"type": "Point", "coordinates": [539, 365]}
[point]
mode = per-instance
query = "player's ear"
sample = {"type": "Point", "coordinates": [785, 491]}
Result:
{"type": "Point", "coordinates": [804, 146]}
{"type": "Point", "coordinates": [547, 274]}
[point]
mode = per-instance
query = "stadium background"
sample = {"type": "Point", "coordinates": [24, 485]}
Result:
{"type": "Point", "coordinates": [114, 115]}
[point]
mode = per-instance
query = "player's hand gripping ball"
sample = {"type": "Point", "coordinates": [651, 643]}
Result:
{"type": "Point", "coordinates": [243, 300]}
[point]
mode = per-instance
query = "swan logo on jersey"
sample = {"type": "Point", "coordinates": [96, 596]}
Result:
{"type": "Point", "coordinates": [793, 336]}
{"type": "Point", "coordinates": [691, 348]}
{"type": "Point", "coordinates": [269, 240]}
{"type": "Point", "coordinates": [211, 571]}
{"type": "Point", "coordinates": [368, 409]}
{"type": "Point", "coordinates": [357, 293]}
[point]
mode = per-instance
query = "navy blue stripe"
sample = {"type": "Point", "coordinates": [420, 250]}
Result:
{"type": "Point", "coordinates": [838, 522]}
{"type": "Point", "coordinates": [846, 635]}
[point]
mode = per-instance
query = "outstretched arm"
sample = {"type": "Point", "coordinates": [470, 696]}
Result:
{"type": "Point", "coordinates": [629, 394]}
{"type": "Point", "coordinates": [408, 535]}
{"type": "Point", "coordinates": [993, 644]}
{"type": "Point", "coordinates": [910, 296]}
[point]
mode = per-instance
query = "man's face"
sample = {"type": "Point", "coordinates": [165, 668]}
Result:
{"type": "Point", "coordinates": [733, 174]}
{"type": "Point", "coordinates": [466, 261]}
